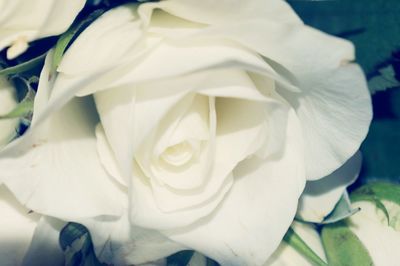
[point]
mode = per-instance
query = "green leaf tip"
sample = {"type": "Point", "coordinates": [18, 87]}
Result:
{"type": "Point", "coordinates": [23, 67]}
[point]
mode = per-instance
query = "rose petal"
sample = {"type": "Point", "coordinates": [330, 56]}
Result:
{"type": "Point", "coordinates": [320, 197]}
{"type": "Point", "coordinates": [105, 43]}
{"type": "Point", "coordinates": [236, 234]}
{"type": "Point", "coordinates": [138, 59]}
{"type": "Point", "coordinates": [235, 83]}
{"type": "Point", "coordinates": [24, 21]}
{"type": "Point", "coordinates": [241, 131]}
{"type": "Point", "coordinates": [226, 12]}
{"type": "Point", "coordinates": [126, 131]}
{"type": "Point", "coordinates": [107, 157]}
{"type": "Point", "coordinates": [16, 228]}
{"type": "Point", "coordinates": [325, 88]}
{"type": "Point", "coordinates": [61, 16]}
{"type": "Point", "coordinates": [312, 61]}
{"type": "Point", "coordinates": [45, 248]}
{"type": "Point", "coordinates": [294, 46]}
{"type": "Point", "coordinates": [335, 113]}
{"type": "Point", "coordinates": [195, 124]}
{"type": "Point", "coordinates": [55, 167]}
{"type": "Point", "coordinates": [146, 212]}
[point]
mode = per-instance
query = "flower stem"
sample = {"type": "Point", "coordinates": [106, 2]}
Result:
{"type": "Point", "coordinates": [295, 241]}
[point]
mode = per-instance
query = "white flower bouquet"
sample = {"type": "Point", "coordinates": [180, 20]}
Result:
{"type": "Point", "coordinates": [184, 132]}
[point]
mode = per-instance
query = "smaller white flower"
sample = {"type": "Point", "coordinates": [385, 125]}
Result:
{"type": "Point", "coordinates": [8, 101]}
{"type": "Point", "coordinates": [380, 238]}
{"type": "Point", "coordinates": [22, 21]}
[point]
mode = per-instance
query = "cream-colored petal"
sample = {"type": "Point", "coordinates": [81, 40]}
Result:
{"type": "Point", "coordinates": [335, 112]}
{"type": "Point", "coordinates": [227, 11]}
{"type": "Point", "coordinates": [45, 246]}
{"type": "Point", "coordinates": [17, 225]}
{"type": "Point", "coordinates": [321, 196]}
{"type": "Point", "coordinates": [54, 167]}
{"type": "Point", "coordinates": [23, 21]}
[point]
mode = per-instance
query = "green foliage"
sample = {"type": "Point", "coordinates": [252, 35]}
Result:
{"type": "Point", "coordinates": [342, 246]}
{"type": "Point", "coordinates": [295, 241]}
{"type": "Point", "coordinates": [385, 79]}
{"type": "Point", "coordinates": [376, 192]}
{"type": "Point", "coordinates": [36, 62]}
{"type": "Point", "coordinates": [24, 108]}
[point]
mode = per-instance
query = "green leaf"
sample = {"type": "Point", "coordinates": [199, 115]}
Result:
{"type": "Point", "coordinates": [376, 192]}
{"type": "Point", "coordinates": [66, 38]}
{"type": "Point", "coordinates": [342, 246]}
{"type": "Point", "coordinates": [385, 79]}
{"type": "Point", "coordinates": [26, 96]}
{"type": "Point", "coordinates": [23, 67]}
{"type": "Point", "coordinates": [77, 245]}
{"type": "Point", "coordinates": [295, 241]}
{"type": "Point", "coordinates": [181, 258]}
{"type": "Point", "coordinates": [341, 211]}
{"type": "Point", "coordinates": [23, 109]}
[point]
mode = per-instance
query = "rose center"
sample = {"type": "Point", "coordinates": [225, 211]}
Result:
{"type": "Point", "coordinates": [180, 153]}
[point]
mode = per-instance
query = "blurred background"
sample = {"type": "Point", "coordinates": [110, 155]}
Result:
{"type": "Point", "coordinates": [374, 28]}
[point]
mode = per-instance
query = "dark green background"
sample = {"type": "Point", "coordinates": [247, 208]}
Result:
{"type": "Point", "coordinates": [374, 27]}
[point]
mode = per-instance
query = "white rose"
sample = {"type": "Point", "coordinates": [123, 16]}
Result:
{"type": "Point", "coordinates": [22, 21]}
{"type": "Point", "coordinates": [26, 238]}
{"type": "Point", "coordinates": [8, 101]}
{"type": "Point", "coordinates": [207, 120]}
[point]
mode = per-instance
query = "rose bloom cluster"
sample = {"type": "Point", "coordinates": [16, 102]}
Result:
{"type": "Point", "coordinates": [179, 124]}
